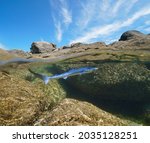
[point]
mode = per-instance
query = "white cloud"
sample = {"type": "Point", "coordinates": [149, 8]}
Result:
{"type": "Point", "coordinates": [58, 32]}
{"type": "Point", "coordinates": [92, 11]}
{"type": "Point", "coordinates": [97, 12]}
{"type": "Point", "coordinates": [122, 5]}
{"type": "Point", "coordinates": [147, 29]}
{"type": "Point", "coordinates": [131, 4]}
{"type": "Point", "coordinates": [65, 12]}
{"type": "Point", "coordinates": [137, 15]}
{"type": "Point", "coordinates": [67, 15]}
{"type": "Point", "coordinates": [88, 11]}
{"type": "Point", "coordinates": [95, 32]}
{"type": "Point", "coordinates": [61, 15]}
{"type": "Point", "coordinates": [147, 22]}
{"type": "Point", "coordinates": [117, 7]}
{"type": "Point", "coordinates": [105, 5]}
{"type": "Point", "coordinates": [2, 46]}
{"type": "Point", "coordinates": [58, 29]}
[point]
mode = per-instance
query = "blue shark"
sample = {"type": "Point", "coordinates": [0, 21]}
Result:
{"type": "Point", "coordinates": [64, 75]}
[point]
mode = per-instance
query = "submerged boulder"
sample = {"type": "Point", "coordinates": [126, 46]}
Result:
{"type": "Point", "coordinates": [73, 112]}
{"type": "Point", "coordinates": [20, 102]}
{"type": "Point", "coordinates": [113, 81]}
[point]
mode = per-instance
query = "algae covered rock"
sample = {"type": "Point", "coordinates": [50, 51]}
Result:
{"type": "Point", "coordinates": [114, 81]}
{"type": "Point", "coordinates": [20, 102]}
{"type": "Point", "coordinates": [53, 90]}
{"type": "Point", "coordinates": [73, 112]}
{"type": "Point", "coordinates": [147, 113]}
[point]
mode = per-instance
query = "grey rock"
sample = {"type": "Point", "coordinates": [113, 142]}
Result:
{"type": "Point", "coordinates": [71, 112]}
{"type": "Point", "coordinates": [132, 34]}
{"type": "Point", "coordinates": [113, 81]}
{"type": "Point", "coordinates": [65, 47]}
{"type": "Point", "coordinates": [132, 40]}
{"type": "Point", "coordinates": [42, 47]}
{"type": "Point", "coordinates": [76, 44]}
{"type": "Point", "coordinates": [73, 45]}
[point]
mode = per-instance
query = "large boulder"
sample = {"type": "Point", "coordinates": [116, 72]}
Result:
{"type": "Point", "coordinates": [132, 40]}
{"type": "Point", "coordinates": [132, 34]}
{"type": "Point", "coordinates": [74, 112]}
{"type": "Point", "coordinates": [42, 47]}
{"type": "Point", "coordinates": [113, 81]}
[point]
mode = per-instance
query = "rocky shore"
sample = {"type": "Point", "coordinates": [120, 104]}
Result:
{"type": "Point", "coordinates": [118, 93]}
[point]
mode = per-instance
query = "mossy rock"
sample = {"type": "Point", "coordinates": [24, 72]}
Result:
{"type": "Point", "coordinates": [53, 90]}
{"type": "Point", "coordinates": [22, 99]}
{"type": "Point", "coordinates": [71, 112]}
{"type": "Point", "coordinates": [20, 102]}
{"type": "Point", "coordinates": [112, 81]}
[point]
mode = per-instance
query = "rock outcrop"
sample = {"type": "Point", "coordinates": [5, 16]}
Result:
{"type": "Point", "coordinates": [5, 55]}
{"type": "Point", "coordinates": [132, 40]}
{"type": "Point", "coordinates": [122, 80]}
{"type": "Point", "coordinates": [19, 53]}
{"type": "Point", "coordinates": [133, 34]}
{"type": "Point", "coordinates": [71, 112]}
{"type": "Point", "coordinates": [42, 47]}
{"type": "Point", "coordinates": [129, 40]}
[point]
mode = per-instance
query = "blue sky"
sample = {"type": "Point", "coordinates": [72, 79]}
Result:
{"type": "Point", "coordinates": [68, 21]}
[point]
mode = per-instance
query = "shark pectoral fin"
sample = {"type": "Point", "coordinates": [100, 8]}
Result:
{"type": "Point", "coordinates": [65, 77]}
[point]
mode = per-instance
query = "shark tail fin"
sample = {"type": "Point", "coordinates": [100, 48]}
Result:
{"type": "Point", "coordinates": [46, 79]}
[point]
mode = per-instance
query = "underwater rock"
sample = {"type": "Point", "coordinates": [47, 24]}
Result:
{"type": "Point", "coordinates": [113, 81]}
{"type": "Point", "coordinates": [53, 91]}
{"type": "Point", "coordinates": [20, 102]}
{"type": "Point", "coordinates": [71, 112]}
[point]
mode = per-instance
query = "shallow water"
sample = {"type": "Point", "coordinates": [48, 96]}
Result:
{"type": "Point", "coordinates": [133, 110]}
